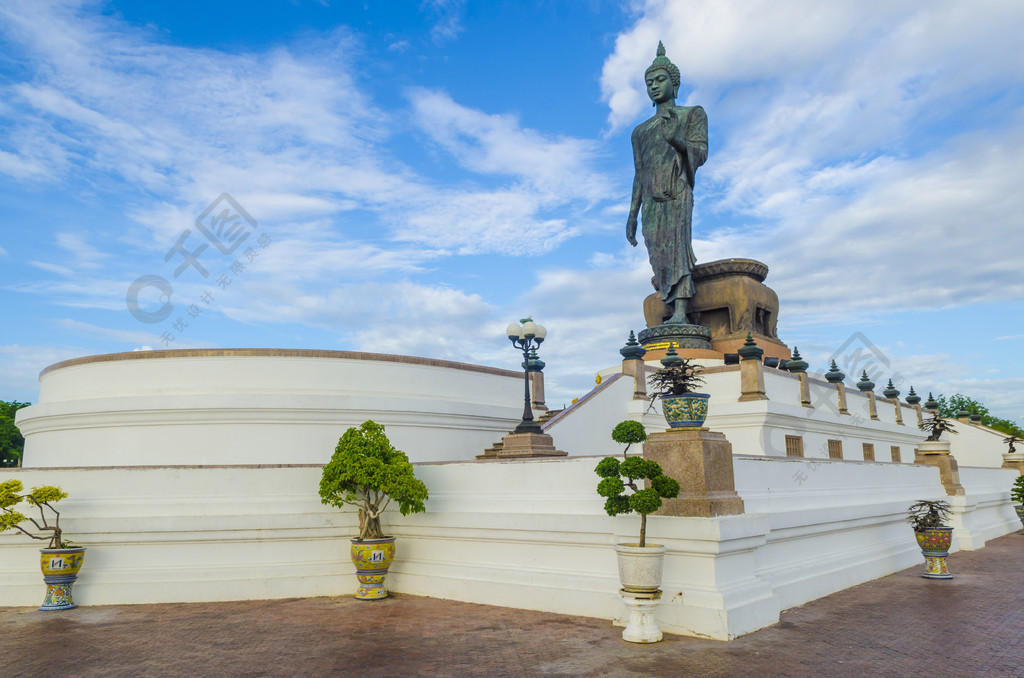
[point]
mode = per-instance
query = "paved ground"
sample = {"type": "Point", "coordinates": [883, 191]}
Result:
{"type": "Point", "coordinates": [900, 626]}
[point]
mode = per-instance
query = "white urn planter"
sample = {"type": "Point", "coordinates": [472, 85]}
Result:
{"type": "Point", "coordinates": [933, 447]}
{"type": "Point", "coordinates": [640, 567]}
{"type": "Point", "coordinates": [640, 576]}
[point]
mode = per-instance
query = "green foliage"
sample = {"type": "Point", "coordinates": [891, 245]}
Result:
{"type": "Point", "coordinates": [951, 406]}
{"type": "Point", "coordinates": [923, 515]}
{"type": "Point", "coordinates": [12, 444]}
{"type": "Point", "coordinates": [366, 471]}
{"type": "Point", "coordinates": [607, 467]}
{"type": "Point", "coordinates": [41, 497]}
{"type": "Point", "coordinates": [611, 487]}
{"type": "Point", "coordinates": [645, 501]}
{"type": "Point", "coordinates": [617, 476]}
{"type": "Point", "coordinates": [1017, 490]}
{"type": "Point", "coordinates": [629, 432]}
{"type": "Point", "coordinates": [666, 486]}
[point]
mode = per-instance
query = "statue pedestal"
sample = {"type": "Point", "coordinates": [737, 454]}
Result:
{"type": "Point", "coordinates": [684, 336]}
{"type": "Point", "coordinates": [701, 460]}
{"type": "Point", "coordinates": [936, 453]}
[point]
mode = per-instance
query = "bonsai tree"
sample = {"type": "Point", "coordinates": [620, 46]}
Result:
{"type": "Point", "coordinates": [924, 515]}
{"type": "Point", "coordinates": [1010, 440]}
{"type": "Point", "coordinates": [935, 426]}
{"type": "Point", "coordinates": [679, 376]}
{"type": "Point", "coordinates": [1017, 490]}
{"type": "Point", "coordinates": [40, 497]}
{"type": "Point", "coordinates": [616, 476]}
{"type": "Point", "coordinates": [366, 471]}
{"type": "Point", "coordinates": [629, 432]}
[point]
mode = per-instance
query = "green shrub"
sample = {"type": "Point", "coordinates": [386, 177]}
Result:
{"type": "Point", "coordinates": [366, 471]}
{"type": "Point", "coordinates": [617, 476]}
{"type": "Point", "coordinates": [1017, 490]}
{"type": "Point", "coordinates": [41, 497]}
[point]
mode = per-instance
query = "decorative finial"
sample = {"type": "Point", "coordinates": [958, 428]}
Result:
{"type": "Point", "coordinates": [834, 374]}
{"type": "Point", "coordinates": [912, 398]}
{"type": "Point", "coordinates": [671, 358]}
{"type": "Point", "coordinates": [797, 364]}
{"type": "Point", "coordinates": [865, 383]}
{"type": "Point", "coordinates": [750, 350]}
{"type": "Point", "coordinates": [931, 404]}
{"type": "Point", "coordinates": [632, 350]}
{"type": "Point", "coordinates": [891, 391]}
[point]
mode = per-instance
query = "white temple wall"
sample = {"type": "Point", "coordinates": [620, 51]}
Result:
{"type": "Point", "coordinates": [977, 445]}
{"type": "Point", "coordinates": [260, 406]}
{"type": "Point", "coordinates": [527, 534]}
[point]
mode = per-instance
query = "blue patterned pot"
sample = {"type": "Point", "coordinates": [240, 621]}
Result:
{"type": "Point", "coordinates": [688, 410]}
{"type": "Point", "coordinates": [60, 570]}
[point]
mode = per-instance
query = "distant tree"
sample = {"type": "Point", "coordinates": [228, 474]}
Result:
{"type": "Point", "coordinates": [12, 444]}
{"type": "Point", "coordinates": [951, 406]}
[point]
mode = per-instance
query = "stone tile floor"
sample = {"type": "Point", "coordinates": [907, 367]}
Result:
{"type": "Point", "coordinates": [900, 626]}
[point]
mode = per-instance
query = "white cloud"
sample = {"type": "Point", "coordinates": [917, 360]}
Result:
{"type": "Point", "coordinates": [20, 366]}
{"type": "Point", "coordinates": [559, 168]}
{"type": "Point", "coordinates": [449, 15]}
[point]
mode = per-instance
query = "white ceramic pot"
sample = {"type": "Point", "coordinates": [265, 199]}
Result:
{"type": "Point", "coordinates": [933, 447]}
{"type": "Point", "coordinates": [640, 568]}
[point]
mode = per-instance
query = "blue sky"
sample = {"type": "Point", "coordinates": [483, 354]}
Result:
{"type": "Point", "coordinates": [419, 174]}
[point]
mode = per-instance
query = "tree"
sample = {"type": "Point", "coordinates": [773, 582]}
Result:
{"type": "Point", "coordinates": [951, 406]}
{"type": "Point", "coordinates": [12, 443]}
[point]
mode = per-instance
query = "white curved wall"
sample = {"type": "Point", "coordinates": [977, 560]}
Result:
{"type": "Point", "coordinates": [260, 406]}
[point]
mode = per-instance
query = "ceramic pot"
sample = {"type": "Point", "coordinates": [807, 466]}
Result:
{"type": "Point", "coordinates": [372, 558]}
{"type": "Point", "coordinates": [60, 570]}
{"type": "Point", "coordinates": [934, 543]}
{"type": "Point", "coordinates": [640, 567]}
{"type": "Point", "coordinates": [688, 410]}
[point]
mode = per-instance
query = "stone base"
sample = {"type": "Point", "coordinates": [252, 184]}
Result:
{"type": "Point", "coordinates": [701, 460]}
{"type": "Point", "coordinates": [641, 627]}
{"type": "Point", "coordinates": [520, 445]}
{"type": "Point", "coordinates": [1014, 461]}
{"type": "Point", "coordinates": [684, 336]}
{"type": "Point", "coordinates": [773, 348]}
{"type": "Point", "coordinates": [936, 453]}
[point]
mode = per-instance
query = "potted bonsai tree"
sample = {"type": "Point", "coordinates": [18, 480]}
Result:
{"type": "Point", "coordinates": [927, 518]}
{"type": "Point", "coordinates": [935, 425]}
{"type": "Point", "coordinates": [366, 471]}
{"type": "Point", "coordinates": [675, 383]}
{"type": "Point", "coordinates": [1011, 440]}
{"type": "Point", "coordinates": [60, 560]}
{"type": "Point", "coordinates": [639, 563]}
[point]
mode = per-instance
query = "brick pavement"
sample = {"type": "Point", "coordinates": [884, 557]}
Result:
{"type": "Point", "coordinates": [900, 626]}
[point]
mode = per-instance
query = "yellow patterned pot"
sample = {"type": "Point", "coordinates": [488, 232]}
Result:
{"type": "Point", "coordinates": [60, 570]}
{"type": "Point", "coordinates": [687, 410]}
{"type": "Point", "coordinates": [934, 543]}
{"type": "Point", "coordinates": [372, 558]}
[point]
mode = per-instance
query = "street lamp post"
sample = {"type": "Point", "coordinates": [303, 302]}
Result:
{"type": "Point", "coordinates": [526, 337]}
